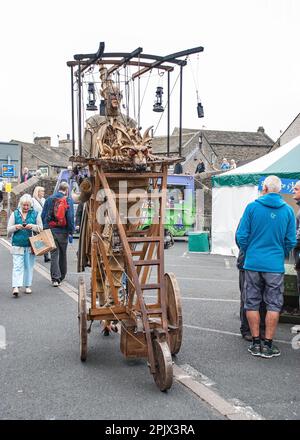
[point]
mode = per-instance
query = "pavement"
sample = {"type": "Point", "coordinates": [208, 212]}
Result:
{"type": "Point", "coordinates": [215, 378]}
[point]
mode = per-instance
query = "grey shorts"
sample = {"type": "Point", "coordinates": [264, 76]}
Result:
{"type": "Point", "coordinates": [263, 286]}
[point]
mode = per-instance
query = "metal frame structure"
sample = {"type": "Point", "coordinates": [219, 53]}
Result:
{"type": "Point", "coordinates": [149, 330]}
{"type": "Point", "coordinates": [135, 58]}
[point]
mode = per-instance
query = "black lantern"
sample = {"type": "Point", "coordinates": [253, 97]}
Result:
{"type": "Point", "coordinates": [102, 107]}
{"type": "Point", "coordinates": [91, 106]}
{"type": "Point", "coordinates": [157, 107]}
{"type": "Point", "coordinates": [200, 110]}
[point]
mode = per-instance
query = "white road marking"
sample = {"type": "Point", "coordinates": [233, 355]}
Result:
{"type": "Point", "coordinates": [224, 332]}
{"type": "Point", "coordinates": [200, 299]}
{"type": "Point", "coordinates": [225, 407]}
{"type": "Point", "coordinates": [2, 337]}
{"type": "Point", "coordinates": [217, 280]}
{"type": "Point", "coordinates": [227, 263]}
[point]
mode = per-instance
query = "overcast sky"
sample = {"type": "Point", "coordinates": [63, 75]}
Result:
{"type": "Point", "coordinates": [247, 76]}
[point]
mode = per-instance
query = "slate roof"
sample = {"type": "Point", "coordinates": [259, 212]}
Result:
{"type": "Point", "coordinates": [159, 143]}
{"type": "Point", "coordinates": [53, 156]}
{"type": "Point", "coordinates": [235, 138]}
{"type": "Point", "coordinates": [238, 138]}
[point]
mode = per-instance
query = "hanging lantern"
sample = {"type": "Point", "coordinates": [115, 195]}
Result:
{"type": "Point", "coordinates": [102, 107]}
{"type": "Point", "coordinates": [91, 105]}
{"type": "Point", "coordinates": [157, 107]}
{"type": "Point", "coordinates": [200, 110]}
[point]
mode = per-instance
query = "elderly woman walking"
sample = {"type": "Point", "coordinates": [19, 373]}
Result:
{"type": "Point", "coordinates": [38, 200]}
{"type": "Point", "coordinates": [21, 225]}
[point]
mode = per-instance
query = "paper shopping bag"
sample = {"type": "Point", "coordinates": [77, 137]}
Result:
{"type": "Point", "coordinates": [42, 242]}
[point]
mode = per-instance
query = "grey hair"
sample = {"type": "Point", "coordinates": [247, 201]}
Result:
{"type": "Point", "coordinates": [297, 183]}
{"type": "Point", "coordinates": [26, 198]}
{"type": "Point", "coordinates": [63, 186]}
{"type": "Point", "coordinates": [273, 184]}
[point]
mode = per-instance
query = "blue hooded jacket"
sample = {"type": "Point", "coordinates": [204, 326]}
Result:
{"type": "Point", "coordinates": [267, 233]}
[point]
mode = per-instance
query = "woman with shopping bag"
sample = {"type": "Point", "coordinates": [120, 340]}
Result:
{"type": "Point", "coordinates": [38, 198]}
{"type": "Point", "coordinates": [23, 222]}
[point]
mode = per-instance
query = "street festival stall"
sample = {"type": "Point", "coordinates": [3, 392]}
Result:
{"type": "Point", "coordinates": [233, 190]}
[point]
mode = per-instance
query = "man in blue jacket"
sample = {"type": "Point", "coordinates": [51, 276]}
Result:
{"type": "Point", "coordinates": [267, 233]}
{"type": "Point", "coordinates": [58, 215]}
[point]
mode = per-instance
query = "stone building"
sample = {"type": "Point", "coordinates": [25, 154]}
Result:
{"type": "Point", "coordinates": [40, 155]}
{"type": "Point", "coordinates": [213, 145]}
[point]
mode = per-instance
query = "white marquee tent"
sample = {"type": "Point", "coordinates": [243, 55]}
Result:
{"type": "Point", "coordinates": [234, 189]}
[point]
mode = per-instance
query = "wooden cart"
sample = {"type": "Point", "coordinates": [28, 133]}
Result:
{"type": "Point", "coordinates": [122, 256]}
{"type": "Point", "coordinates": [130, 290]}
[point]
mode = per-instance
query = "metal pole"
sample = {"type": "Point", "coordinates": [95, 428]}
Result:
{"type": "Point", "coordinates": [168, 125]}
{"type": "Point", "coordinates": [72, 105]}
{"type": "Point", "coordinates": [180, 112]}
{"type": "Point", "coordinates": [79, 110]}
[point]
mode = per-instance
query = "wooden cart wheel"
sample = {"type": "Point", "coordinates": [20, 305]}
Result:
{"type": "Point", "coordinates": [82, 319]}
{"type": "Point", "coordinates": [163, 375]}
{"type": "Point", "coordinates": [174, 312]}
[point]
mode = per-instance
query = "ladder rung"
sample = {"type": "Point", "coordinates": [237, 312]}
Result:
{"type": "Point", "coordinates": [129, 176]}
{"type": "Point", "coordinates": [134, 253]}
{"type": "Point", "coordinates": [135, 196]}
{"type": "Point", "coordinates": [146, 262]}
{"type": "Point", "coordinates": [152, 311]}
{"type": "Point", "coordinates": [138, 231]}
{"type": "Point", "coordinates": [150, 286]}
{"type": "Point", "coordinates": [142, 239]}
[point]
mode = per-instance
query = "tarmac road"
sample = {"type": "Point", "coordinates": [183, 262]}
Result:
{"type": "Point", "coordinates": [41, 376]}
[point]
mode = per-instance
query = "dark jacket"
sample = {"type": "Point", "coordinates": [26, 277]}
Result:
{"type": "Point", "coordinates": [200, 168]}
{"type": "Point", "coordinates": [23, 177]}
{"type": "Point", "coordinates": [69, 228]}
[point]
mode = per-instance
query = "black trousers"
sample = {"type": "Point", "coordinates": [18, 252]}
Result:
{"type": "Point", "coordinates": [245, 329]}
{"type": "Point", "coordinates": [58, 267]}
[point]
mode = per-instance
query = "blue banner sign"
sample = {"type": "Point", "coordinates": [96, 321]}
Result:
{"type": "Point", "coordinates": [287, 185]}
{"type": "Point", "coordinates": [8, 170]}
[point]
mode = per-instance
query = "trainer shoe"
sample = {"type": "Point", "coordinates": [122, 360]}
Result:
{"type": "Point", "coordinates": [15, 291]}
{"type": "Point", "coordinates": [267, 352]}
{"type": "Point", "coordinates": [55, 283]}
{"type": "Point", "coordinates": [255, 349]}
{"type": "Point", "coordinates": [28, 290]}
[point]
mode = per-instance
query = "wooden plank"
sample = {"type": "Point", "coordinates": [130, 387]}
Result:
{"type": "Point", "coordinates": [108, 270]}
{"type": "Point", "coordinates": [128, 176]}
{"type": "Point", "coordinates": [146, 262]}
{"type": "Point", "coordinates": [133, 272]}
{"type": "Point", "coordinates": [150, 286]}
{"type": "Point", "coordinates": [161, 270]}
{"type": "Point", "coordinates": [142, 239]}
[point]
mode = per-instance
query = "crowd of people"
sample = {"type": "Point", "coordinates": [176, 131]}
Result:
{"type": "Point", "coordinates": [268, 231]}
{"type": "Point", "coordinates": [32, 215]}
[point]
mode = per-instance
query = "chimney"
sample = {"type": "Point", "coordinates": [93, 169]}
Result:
{"type": "Point", "coordinates": [45, 141]}
{"type": "Point", "coordinates": [261, 130]}
{"type": "Point", "coordinates": [66, 143]}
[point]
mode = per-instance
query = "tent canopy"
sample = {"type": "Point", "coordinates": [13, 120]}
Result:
{"type": "Point", "coordinates": [234, 189]}
{"type": "Point", "coordinates": [283, 162]}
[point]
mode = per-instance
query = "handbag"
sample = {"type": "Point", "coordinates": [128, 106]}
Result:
{"type": "Point", "coordinates": [42, 242]}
